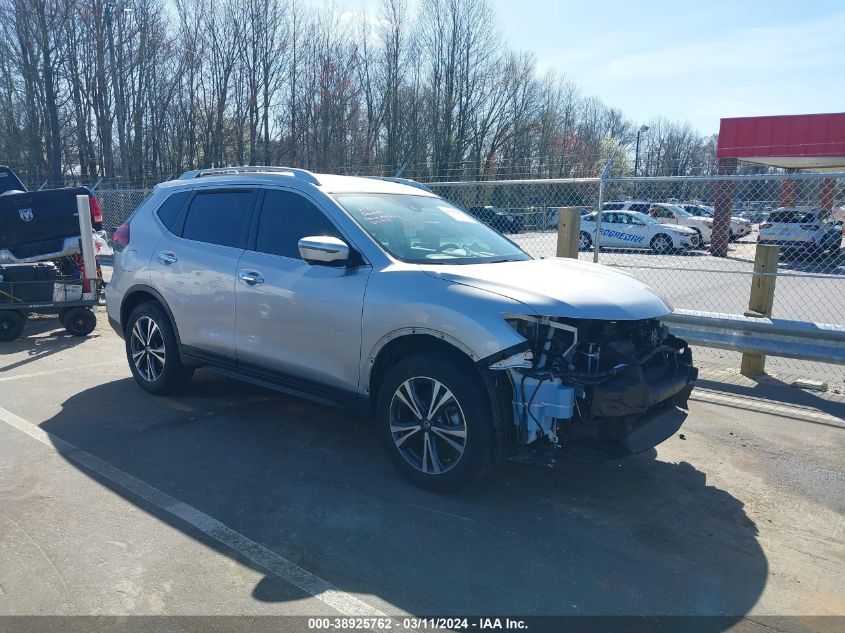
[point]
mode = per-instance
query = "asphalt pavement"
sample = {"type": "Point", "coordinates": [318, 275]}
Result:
{"type": "Point", "coordinates": [234, 500]}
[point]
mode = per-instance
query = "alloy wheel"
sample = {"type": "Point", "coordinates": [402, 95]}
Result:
{"type": "Point", "coordinates": [427, 425]}
{"type": "Point", "coordinates": [147, 349]}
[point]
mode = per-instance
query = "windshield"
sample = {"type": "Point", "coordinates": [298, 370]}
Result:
{"type": "Point", "coordinates": [793, 217]}
{"type": "Point", "coordinates": [426, 230]}
{"type": "Point", "coordinates": [681, 211]}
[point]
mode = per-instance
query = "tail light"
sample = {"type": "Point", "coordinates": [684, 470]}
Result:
{"type": "Point", "coordinates": [121, 236]}
{"type": "Point", "coordinates": [96, 213]}
{"type": "Point", "coordinates": [810, 227]}
{"type": "Point", "coordinates": [765, 225]}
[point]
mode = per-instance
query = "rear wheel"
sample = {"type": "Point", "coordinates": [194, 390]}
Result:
{"type": "Point", "coordinates": [661, 244]}
{"type": "Point", "coordinates": [584, 241]}
{"type": "Point", "coordinates": [153, 352]}
{"type": "Point", "coordinates": [79, 321]}
{"type": "Point", "coordinates": [11, 325]}
{"type": "Point", "coordinates": [435, 420]}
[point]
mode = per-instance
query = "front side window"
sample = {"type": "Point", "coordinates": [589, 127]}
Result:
{"type": "Point", "coordinates": [427, 230]}
{"type": "Point", "coordinates": [287, 217]}
{"type": "Point", "coordinates": [219, 217]}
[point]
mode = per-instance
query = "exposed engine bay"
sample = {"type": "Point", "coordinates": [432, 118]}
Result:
{"type": "Point", "coordinates": [621, 384]}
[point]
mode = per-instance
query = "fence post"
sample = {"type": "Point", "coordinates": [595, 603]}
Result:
{"type": "Point", "coordinates": [597, 240]}
{"type": "Point", "coordinates": [761, 301]}
{"type": "Point", "coordinates": [568, 231]}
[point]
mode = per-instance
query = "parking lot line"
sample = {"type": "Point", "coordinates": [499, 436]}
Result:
{"type": "Point", "coordinates": [321, 589]}
{"type": "Point", "coordinates": [48, 372]}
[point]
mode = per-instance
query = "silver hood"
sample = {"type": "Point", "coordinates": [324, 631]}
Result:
{"type": "Point", "coordinates": [561, 288]}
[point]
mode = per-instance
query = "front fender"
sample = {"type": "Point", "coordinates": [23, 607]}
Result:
{"type": "Point", "coordinates": [404, 301]}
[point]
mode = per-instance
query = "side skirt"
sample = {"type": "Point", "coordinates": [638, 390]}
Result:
{"type": "Point", "coordinates": [278, 381]}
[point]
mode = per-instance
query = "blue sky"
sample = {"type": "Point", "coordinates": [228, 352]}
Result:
{"type": "Point", "coordinates": [686, 61]}
{"type": "Point", "coordinates": [690, 61]}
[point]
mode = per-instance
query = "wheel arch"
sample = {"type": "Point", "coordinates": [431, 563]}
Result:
{"type": "Point", "coordinates": [401, 344]}
{"type": "Point", "coordinates": [138, 294]}
{"type": "Point", "coordinates": [404, 343]}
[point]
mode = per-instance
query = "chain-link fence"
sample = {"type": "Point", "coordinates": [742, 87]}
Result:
{"type": "Point", "coordinates": [692, 238]}
{"type": "Point", "coordinates": [118, 204]}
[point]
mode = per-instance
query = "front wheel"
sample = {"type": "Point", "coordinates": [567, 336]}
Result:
{"type": "Point", "coordinates": [153, 352]}
{"type": "Point", "coordinates": [435, 420]}
{"type": "Point", "coordinates": [661, 244]}
{"type": "Point", "coordinates": [11, 325]}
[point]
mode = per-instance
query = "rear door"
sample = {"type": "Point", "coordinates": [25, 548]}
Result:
{"type": "Point", "coordinates": [296, 318]}
{"type": "Point", "coordinates": [194, 267]}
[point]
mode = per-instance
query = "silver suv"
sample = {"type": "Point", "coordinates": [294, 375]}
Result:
{"type": "Point", "coordinates": [366, 292]}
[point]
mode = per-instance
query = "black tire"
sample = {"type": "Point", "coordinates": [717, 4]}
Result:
{"type": "Point", "coordinates": [11, 325]}
{"type": "Point", "coordinates": [469, 404]}
{"type": "Point", "coordinates": [585, 242]}
{"type": "Point", "coordinates": [661, 244]}
{"type": "Point", "coordinates": [700, 243]}
{"type": "Point", "coordinates": [79, 321]}
{"type": "Point", "coordinates": [62, 314]}
{"type": "Point", "coordinates": [156, 371]}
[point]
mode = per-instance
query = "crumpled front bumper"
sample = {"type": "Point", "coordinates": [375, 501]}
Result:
{"type": "Point", "coordinates": [635, 411]}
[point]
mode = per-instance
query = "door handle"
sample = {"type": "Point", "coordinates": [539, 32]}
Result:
{"type": "Point", "coordinates": [250, 277]}
{"type": "Point", "coordinates": [167, 258]}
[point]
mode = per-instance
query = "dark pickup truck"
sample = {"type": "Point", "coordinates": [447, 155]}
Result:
{"type": "Point", "coordinates": [40, 225]}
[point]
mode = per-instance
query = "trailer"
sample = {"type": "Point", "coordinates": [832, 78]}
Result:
{"type": "Point", "coordinates": [70, 291]}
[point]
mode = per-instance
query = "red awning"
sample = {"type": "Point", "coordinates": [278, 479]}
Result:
{"type": "Point", "coordinates": [803, 141]}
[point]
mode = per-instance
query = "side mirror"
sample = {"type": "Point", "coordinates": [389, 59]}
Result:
{"type": "Point", "coordinates": [323, 249]}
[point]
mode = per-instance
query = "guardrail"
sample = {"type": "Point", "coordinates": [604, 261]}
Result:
{"type": "Point", "coordinates": [821, 342]}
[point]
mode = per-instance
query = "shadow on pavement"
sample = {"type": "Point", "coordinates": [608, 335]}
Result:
{"type": "Point", "coordinates": [770, 389]}
{"type": "Point", "coordinates": [41, 337]}
{"type": "Point", "coordinates": [638, 536]}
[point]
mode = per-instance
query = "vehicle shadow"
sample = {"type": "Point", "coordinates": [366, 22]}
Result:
{"type": "Point", "coordinates": [633, 537]}
{"type": "Point", "coordinates": [820, 263]}
{"type": "Point", "coordinates": [41, 337]}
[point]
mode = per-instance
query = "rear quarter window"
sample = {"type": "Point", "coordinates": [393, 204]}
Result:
{"type": "Point", "coordinates": [169, 210]}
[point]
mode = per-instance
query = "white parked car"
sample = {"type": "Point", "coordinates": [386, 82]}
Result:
{"type": "Point", "coordinates": [631, 229]}
{"type": "Point", "coordinates": [801, 229]}
{"type": "Point", "coordinates": [740, 227]}
{"type": "Point", "coordinates": [667, 213]}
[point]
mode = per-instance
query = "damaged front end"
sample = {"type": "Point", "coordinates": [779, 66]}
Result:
{"type": "Point", "coordinates": [620, 386]}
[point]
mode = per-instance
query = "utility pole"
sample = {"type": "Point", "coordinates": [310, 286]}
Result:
{"type": "Point", "coordinates": [642, 130]}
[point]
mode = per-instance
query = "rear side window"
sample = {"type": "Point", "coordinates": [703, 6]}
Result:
{"type": "Point", "coordinates": [168, 212]}
{"type": "Point", "coordinates": [287, 217]}
{"type": "Point", "coordinates": [219, 217]}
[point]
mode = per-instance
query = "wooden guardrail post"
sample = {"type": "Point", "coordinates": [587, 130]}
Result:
{"type": "Point", "coordinates": [761, 301]}
{"type": "Point", "coordinates": [568, 231]}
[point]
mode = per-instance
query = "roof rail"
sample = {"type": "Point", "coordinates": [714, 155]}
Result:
{"type": "Point", "coordinates": [402, 181]}
{"type": "Point", "coordinates": [302, 174]}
